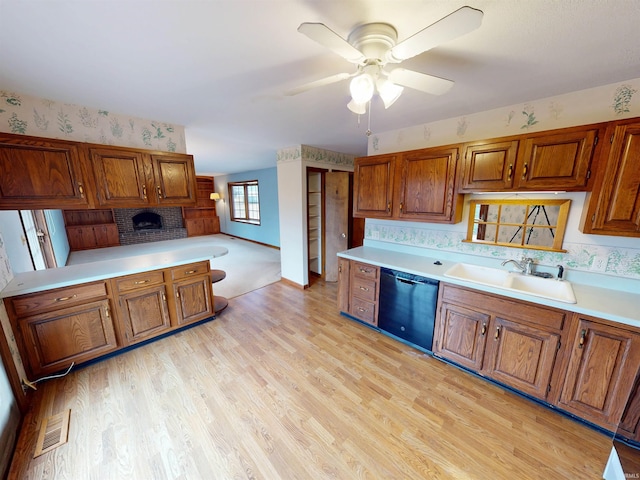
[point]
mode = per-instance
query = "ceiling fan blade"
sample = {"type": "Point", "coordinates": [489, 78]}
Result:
{"type": "Point", "coordinates": [456, 24]}
{"type": "Point", "coordinates": [318, 83]}
{"type": "Point", "coordinates": [420, 81]}
{"type": "Point", "coordinates": [326, 37]}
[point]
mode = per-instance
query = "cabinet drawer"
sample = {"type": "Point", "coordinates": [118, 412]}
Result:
{"type": "Point", "coordinates": [140, 280]}
{"type": "Point", "coordinates": [365, 289]}
{"type": "Point", "coordinates": [363, 310]}
{"type": "Point", "coordinates": [365, 270]}
{"type": "Point", "coordinates": [54, 299]}
{"type": "Point", "coordinates": [190, 270]}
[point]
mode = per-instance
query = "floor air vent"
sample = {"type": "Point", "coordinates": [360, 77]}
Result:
{"type": "Point", "coordinates": [53, 433]}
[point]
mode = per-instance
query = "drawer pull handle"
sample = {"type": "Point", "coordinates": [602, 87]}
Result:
{"type": "Point", "coordinates": [140, 282]}
{"type": "Point", "coordinates": [497, 335]}
{"type": "Point", "coordinates": [81, 189]}
{"type": "Point", "coordinates": [365, 289]}
{"type": "Point", "coordinates": [510, 172]}
{"type": "Point", "coordinates": [360, 309]}
{"type": "Point", "coordinates": [484, 329]}
{"type": "Point", "coordinates": [189, 272]}
{"type": "Point", "coordinates": [159, 192]}
{"type": "Point", "coordinates": [388, 206]}
{"type": "Point", "coordinates": [524, 171]}
{"type": "Point", "coordinates": [144, 192]}
{"type": "Point", "coordinates": [364, 270]}
{"type": "Point", "coordinates": [62, 299]}
{"type": "Point", "coordinates": [583, 337]}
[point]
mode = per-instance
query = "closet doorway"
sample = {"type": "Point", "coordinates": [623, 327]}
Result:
{"type": "Point", "coordinates": [329, 222]}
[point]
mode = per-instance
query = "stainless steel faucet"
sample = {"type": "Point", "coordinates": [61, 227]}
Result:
{"type": "Point", "coordinates": [525, 265]}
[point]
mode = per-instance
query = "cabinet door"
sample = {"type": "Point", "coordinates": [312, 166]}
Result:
{"type": "Point", "coordinates": [193, 299]}
{"type": "Point", "coordinates": [460, 335]}
{"type": "Point", "coordinates": [602, 367]}
{"type": "Point", "coordinates": [489, 166]}
{"type": "Point", "coordinates": [426, 186]}
{"type": "Point", "coordinates": [175, 179]}
{"type": "Point", "coordinates": [373, 186]}
{"type": "Point", "coordinates": [120, 177]}
{"type": "Point", "coordinates": [343, 284]}
{"type": "Point", "coordinates": [561, 161]}
{"type": "Point", "coordinates": [145, 313]}
{"type": "Point", "coordinates": [614, 206]}
{"type": "Point", "coordinates": [55, 339]}
{"type": "Point", "coordinates": [81, 237]}
{"type": "Point", "coordinates": [106, 235]}
{"type": "Point", "coordinates": [521, 356]}
{"type": "Point", "coordinates": [38, 174]}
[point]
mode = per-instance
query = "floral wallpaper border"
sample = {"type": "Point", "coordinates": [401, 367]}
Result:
{"type": "Point", "coordinates": [622, 262]}
{"type": "Point", "coordinates": [314, 155]}
{"type": "Point", "coordinates": [25, 115]}
{"type": "Point", "coordinates": [599, 104]}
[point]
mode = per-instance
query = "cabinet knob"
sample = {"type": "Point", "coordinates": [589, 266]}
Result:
{"type": "Point", "coordinates": [583, 337]}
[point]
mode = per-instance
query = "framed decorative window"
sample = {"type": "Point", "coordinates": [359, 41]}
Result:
{"type": "Point", "coordinates": [533, 224]}
{"type": "Point", "coordinates": [244, 205]}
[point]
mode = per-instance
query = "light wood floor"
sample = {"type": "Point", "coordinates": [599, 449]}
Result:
{"type": "Point", "coordinates": [281, 386]}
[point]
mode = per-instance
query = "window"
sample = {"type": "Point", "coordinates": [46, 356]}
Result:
{"type": "Point", "coordinates": [245, 202]}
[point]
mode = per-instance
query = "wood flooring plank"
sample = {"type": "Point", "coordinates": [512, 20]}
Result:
{"type": "Point", "coordinates": [281, 386]}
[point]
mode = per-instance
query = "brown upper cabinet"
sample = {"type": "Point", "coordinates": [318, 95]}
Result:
{"type": "Point", "coordinates": [37, 172]}
{"type": "Point", "coordinates": [130, 178]}
{"type": "Point", "coordinates": [417, 185]}
{"type": "Point", "coordinates": [373, 186]}
{"type": "Point", "coordinates": [553, 160]}
{"type": "Point", "coordinates": [50, 174]}
{"type": "Point", "coordinates": [613, 207]}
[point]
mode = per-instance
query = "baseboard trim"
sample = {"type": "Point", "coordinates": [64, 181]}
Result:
{"type": "Point", "coordinates": [249, 240]}
{"type": "Point", "coordinates": [294, 284]}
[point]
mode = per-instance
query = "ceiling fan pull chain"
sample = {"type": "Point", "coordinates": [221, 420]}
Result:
{"type": "Point", "coordinates": [369, 121]}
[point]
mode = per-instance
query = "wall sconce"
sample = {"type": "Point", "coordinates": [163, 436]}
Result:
{"type": "Point", "coordinates": [215, 196]}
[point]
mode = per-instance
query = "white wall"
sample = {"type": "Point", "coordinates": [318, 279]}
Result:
{"type": "Point", "coordinates": [292, 163]}
{"type": "Point", "coordinates": [292, 213]}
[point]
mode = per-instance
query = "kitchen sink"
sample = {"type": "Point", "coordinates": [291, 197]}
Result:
{"type": "Point", "coordinates": [550, 288]}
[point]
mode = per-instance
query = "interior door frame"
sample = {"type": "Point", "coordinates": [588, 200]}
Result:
{"type": "Point", "coordinates": [40, 220]}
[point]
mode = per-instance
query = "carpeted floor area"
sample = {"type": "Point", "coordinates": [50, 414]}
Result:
{"type": "Point", "coordinates": [248, 265]}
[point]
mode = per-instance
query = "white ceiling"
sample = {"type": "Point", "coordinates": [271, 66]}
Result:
{"type": "Point", "coordinates": [219, 67]}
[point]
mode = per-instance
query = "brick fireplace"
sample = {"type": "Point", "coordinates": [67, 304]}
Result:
{"type": "Point", "coordinates": [151, 224]}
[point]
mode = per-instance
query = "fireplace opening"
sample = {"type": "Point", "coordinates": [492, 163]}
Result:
{"type": "Point", "coordinates": [147, 221]}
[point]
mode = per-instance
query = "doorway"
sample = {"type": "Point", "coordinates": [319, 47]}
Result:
{"type": "Point", "coordinates": [329, 220]}
{"type": "Point", "coordinates": [36, 232]}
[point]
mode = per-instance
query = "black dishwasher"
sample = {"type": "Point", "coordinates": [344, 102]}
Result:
{"type": "Point", "coordinates": [407, 307]}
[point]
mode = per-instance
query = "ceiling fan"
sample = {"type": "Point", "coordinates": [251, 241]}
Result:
{"type": "Point", "coordinates": [372, 46]}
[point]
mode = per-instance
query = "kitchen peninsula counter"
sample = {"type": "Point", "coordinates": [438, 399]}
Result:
{"type": "Point", "coordinates": [128, 263]}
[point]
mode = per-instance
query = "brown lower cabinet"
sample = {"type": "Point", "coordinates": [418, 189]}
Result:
{"type": "Point", "coordinates": [603, 363]}
{"type": "Point", "coordinates": [512, 342]}
{"type": "Point", "coordinates": [583, 365]}
{"type": "Point", "coordinates": [75, 324]}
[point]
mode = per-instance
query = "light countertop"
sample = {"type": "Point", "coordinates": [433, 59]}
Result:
{"type": "Point", "coordinates": [618, 306]}
{"type": "Point", "coordinates": [40, 280]}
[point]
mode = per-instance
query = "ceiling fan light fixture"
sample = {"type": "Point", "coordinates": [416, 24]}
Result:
{"type": "Point", "coordinates": [362, 88]}
{"type": "Point", "coordinates": [389, 92]}
{"type": "Point", "coordinates": [358, 108]}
